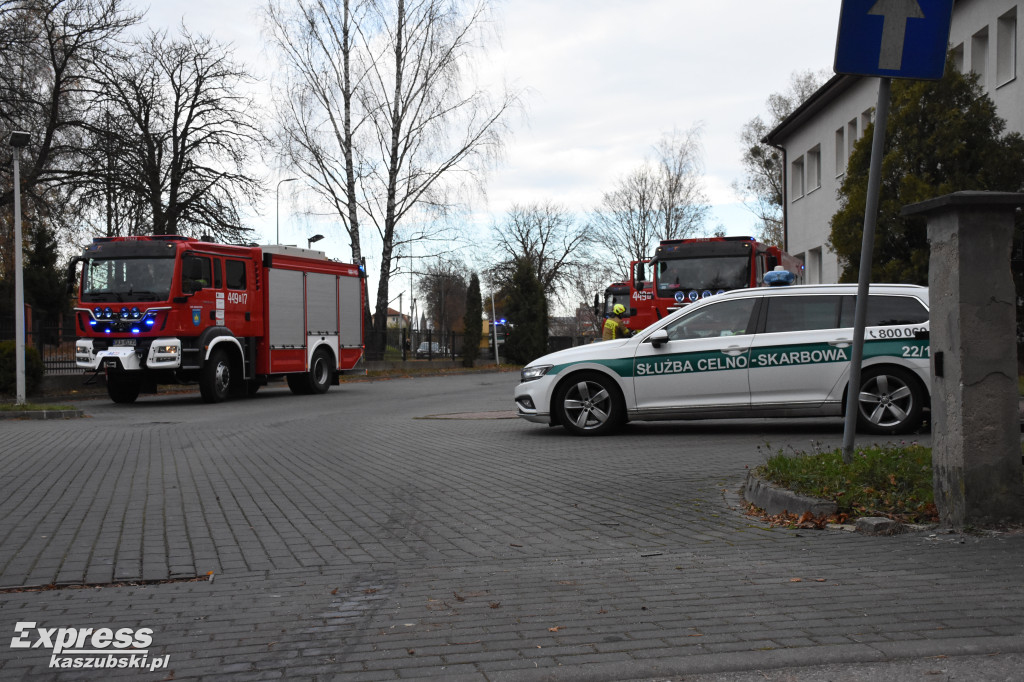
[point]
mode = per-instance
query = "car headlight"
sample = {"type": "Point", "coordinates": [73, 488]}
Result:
{"type": "Point", "coordinates": [534, 372]}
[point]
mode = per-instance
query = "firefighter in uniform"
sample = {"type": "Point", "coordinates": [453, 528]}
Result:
{"type": "Point", "coordinates": [613, 326]}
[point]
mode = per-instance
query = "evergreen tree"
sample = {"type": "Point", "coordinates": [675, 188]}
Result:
{"type": "Point", "coordinates": [942, 136]}
{"type": "Point", "coordinates": [472, 322]}
{"type": "Point", "coordinates": [527, 313]}
{"type": "Point", "coordinates": [45, 289]}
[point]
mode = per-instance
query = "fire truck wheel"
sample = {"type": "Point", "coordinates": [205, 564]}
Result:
{"type": "Point", "coordinates": [298, 384]}
{"type": "Point", "coordinates": [891, 401]}
{"type": "Point", "coordinates": [589, 404]}
{"type": "Point", "coordinates": [122, 389]}
{"type": "Point", "coordinates": [320, 372]}
{"type": "Point", "coordinates": [215, 377]}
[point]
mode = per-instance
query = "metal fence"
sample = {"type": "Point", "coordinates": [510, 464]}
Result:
{"type": "Point", "coordinates": [53, 339]}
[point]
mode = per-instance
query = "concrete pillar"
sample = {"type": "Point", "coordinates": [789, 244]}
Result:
{"type": "Point", "coordinates": [976, 444]}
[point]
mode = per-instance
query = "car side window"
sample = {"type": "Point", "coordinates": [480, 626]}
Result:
{"type": "Point", "coordinates": [801, 313]}
{"type": "Point", "coordinates": [725, 318]}
{"type": "Point", "coordinates": [886, 311]}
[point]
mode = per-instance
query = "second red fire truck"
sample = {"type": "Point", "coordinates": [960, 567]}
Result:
{"type": "Point", "coordinates": [169, 309]}
{"type": "Point", "coordinates": [683, 271]}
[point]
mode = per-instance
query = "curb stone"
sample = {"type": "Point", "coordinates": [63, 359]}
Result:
{"type": "Point", "coordinates": [775, 499]}
{"type": "Point", "coordinates": [41, 414]}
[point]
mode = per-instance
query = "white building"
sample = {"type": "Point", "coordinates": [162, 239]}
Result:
{"type": "Point", "coordinates": [818, 137]}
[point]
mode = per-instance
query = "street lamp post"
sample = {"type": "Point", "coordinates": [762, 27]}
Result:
{"type": "Point", "coordinates": [315, 238]}
{"type": "Point", "coordinates": [279, 206]}
{"type": "Point", "coordinates": [18, 141]}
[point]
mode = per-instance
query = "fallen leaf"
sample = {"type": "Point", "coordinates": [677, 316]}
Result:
{"type": "Point", "coordinates": [334, 591]}
{"type": "Point", "coordinates": [495, 605]}
{"type": "Point", "coordinates": [555, 629]}
{"type": "Point", "coordinates": [457, 597]}
{"type": "Point", "coordinates": [796, 580]}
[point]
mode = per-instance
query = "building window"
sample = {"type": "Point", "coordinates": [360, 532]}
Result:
{"type": "Point", "coordinates": [851, 137]}
{"type": "Point", "coordinates": [814, 168]}
{"type": "Point", "coordinates": [866, 119]}
{"type": "Point", "coordinates": [1006, 48]}
{"type": "Point", "coordinates": [957, 55]}
{"type": "Point", "coordinates": [979, 54]}
{"type": "Point", "coordinates": [812, 266]}
{"type": "Point", "coordinates": [797, 178]}
{"type": "Point", "coordinates": [841, 157]}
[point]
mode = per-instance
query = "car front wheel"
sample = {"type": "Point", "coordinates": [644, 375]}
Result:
{"type": "Point", "coordinates": [589, 404]}
{"type": "Point", "coordinates": [890, 402]}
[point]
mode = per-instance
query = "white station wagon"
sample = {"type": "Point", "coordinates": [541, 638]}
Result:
{"type": "Point", "coordinates": [765, 352]}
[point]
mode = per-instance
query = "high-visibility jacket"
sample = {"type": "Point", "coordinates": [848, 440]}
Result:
{"type": "Point", "coordinates": [614, 329]}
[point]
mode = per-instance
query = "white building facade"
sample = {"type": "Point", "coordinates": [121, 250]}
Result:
{"type": "Point", "coordinates": [818, 137]}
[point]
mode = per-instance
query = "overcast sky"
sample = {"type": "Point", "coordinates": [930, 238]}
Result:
{"type": "Point", "coordinates": [605, 79]}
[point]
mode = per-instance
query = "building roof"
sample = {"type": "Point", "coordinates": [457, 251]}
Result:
{"type": "Point", "coordinates": [810, 108]}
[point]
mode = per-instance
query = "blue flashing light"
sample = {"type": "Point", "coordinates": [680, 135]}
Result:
{"type": "Point", "coordinates": [107, 330]}
{"type": "Point", "coordinates": [150, 321]}
{"type": "Point", "coordinates": [135, 330]}
{"type": "Point", "coordinates": [779, 278]}
{"type": "Point", "coordinates": [92, 323]}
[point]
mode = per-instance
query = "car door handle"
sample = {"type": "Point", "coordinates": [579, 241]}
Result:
{"type": "Point", "coordinates": [841, 343]}
{"type": "Point", "coordinates": [734, 350]}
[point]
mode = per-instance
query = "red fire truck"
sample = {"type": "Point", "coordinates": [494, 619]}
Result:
{"type": "Point", "coordinates": [169, 309]}
{"type": "Point", "coordinates": [687, 270]}
{"type": "Point", "coordinates": [636, 295]}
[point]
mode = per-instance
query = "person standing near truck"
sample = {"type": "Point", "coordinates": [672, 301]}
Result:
{"type": "Point", "coordinates": [614, 328]}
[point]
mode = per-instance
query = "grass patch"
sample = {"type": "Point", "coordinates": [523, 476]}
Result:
{"type": "Point", "coordinates": [32, 407]}
{"type": "Point", "coordinates": [893, 480]}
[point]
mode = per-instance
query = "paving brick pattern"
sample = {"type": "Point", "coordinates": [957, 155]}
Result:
{"type": "Point", "coordinates": [351, 538]}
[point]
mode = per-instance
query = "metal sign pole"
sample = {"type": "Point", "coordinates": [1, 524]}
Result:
{"type": "Point", "coordinates": [866, 250]}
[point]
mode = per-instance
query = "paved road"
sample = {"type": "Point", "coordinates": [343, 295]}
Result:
{"type": "Point", "coordinates": [358, 536]}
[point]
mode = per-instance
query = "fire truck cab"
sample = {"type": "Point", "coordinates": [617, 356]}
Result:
{"type": "Point", "coordinates": [170, 310]}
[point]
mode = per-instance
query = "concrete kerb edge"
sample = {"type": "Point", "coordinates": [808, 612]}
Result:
{"type": "Point", "coordinates": [776, 500]}
{"type": "Point", "coordinates": [41, 414]}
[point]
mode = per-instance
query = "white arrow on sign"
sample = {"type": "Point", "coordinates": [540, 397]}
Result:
{"type": "Point", "coordinates": [894, 29]}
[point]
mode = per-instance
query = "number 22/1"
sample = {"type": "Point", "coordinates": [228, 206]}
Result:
{"type": "Point", "coordinates": [916, 351]}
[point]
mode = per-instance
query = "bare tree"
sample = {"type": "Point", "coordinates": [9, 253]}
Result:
{"type": "Point", "coordinates": [443, 289]}
{"type": "Point", "coordinates": [188, 134]}
{"type": "Point", "coordinates": [388, 124]}
{"type": "Point", "coordinates": [50, 50]}
{"type": "Point", "coordinates": [317, 113]}
{"type": "Point", "coordinates": [761, 185]}
{"type": "Point", "coordinates": [661, 199]}
{"type": "Point", "coordinates": [432, 133]}
{"type": "Point", "coordinates": [549, 238]}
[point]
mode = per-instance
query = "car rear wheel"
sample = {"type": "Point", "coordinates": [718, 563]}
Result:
{"type": "Point", "coordinates": [891, 401]}
{"type": "Point", "coordinates": [589, 404]}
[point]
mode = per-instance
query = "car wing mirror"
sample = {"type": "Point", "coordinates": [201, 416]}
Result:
{"type": "Point", "coordinates": [658, 338]}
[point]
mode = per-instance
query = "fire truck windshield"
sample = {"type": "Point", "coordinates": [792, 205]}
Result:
{"type": "Point", "coordinates": [702, 274]}
{"type": "Point", "coordinates": [127, 279]}
{"type": "Point", "coordinates": [613, 297]}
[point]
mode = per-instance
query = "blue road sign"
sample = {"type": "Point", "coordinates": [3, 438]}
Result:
{"type": "Point", "coordinates": [893, 38]}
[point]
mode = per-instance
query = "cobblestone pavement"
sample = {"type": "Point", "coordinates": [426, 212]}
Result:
{"type": "Point", "coordinates": [358, 536]}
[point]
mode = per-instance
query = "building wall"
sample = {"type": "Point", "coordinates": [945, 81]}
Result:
{"type": "Point", "coordinates": [984, 37]}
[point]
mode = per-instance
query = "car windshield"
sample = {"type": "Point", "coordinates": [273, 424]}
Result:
{"type": "Point", "coordinates": [712, 274]}
{"type": "Point", "coordinates": [127, 279]}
